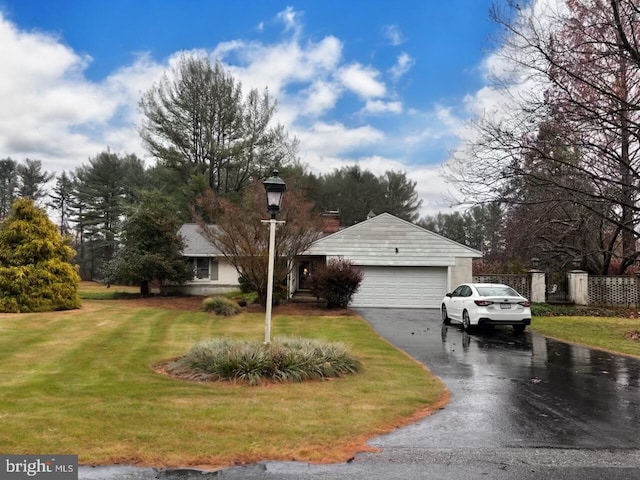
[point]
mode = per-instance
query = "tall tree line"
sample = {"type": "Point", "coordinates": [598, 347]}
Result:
{"type": "Point", "coordinates": [206, 135]}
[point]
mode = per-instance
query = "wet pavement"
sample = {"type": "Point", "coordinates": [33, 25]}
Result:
{"type": "Point", "coordinates": [522, 406]}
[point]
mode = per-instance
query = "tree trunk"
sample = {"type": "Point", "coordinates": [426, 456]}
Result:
{"type": "Point", "coordinates": [144, 288]}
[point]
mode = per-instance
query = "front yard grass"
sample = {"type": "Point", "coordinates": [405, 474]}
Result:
{"type": "Point", "coordinates": [606, 333]}
{"type": "Point", "coordinates": [81, 382]}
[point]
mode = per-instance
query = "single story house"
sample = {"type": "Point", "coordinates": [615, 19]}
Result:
{"type": "Point", "coordinates": [212, 273]}
{"type": "Point", "coordinates": [404, 265]}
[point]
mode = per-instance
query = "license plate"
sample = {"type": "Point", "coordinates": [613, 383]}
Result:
{"type": "Point", "coordinates": [505, 306]}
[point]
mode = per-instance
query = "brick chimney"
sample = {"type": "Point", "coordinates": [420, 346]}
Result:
{"type": "Point", "coordinates": [331, 221]}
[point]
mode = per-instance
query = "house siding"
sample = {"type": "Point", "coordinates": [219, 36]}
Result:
{"type": "Point", "coordinates": [386, 240]}
{"type": "Point", "coordinates": [462, 272]}
{"type": "Point", "coordinates": [227, 281]}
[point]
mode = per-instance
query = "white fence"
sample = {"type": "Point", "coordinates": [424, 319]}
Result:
{"type": "Point", "coordinates": [614, 291]}
{"type": "Point", "coordinates": [583, 289]}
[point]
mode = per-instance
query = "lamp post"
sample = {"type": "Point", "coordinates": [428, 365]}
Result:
{"type": "Point", "coordinates": [274, 187]}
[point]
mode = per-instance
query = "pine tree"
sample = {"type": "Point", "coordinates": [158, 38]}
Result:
{"type": "Point", "coordinates": [150, 245]}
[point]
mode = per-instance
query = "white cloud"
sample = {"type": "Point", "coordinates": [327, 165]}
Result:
{"type": "Point", "coordinates": [379, 106]}
{"type": "Point", "coordinates": [49, 110]}
{"type": "Point", "coordinates": [402, 66]}
{"type": "Point", "coordinates": [431, 188]}
{"type": "Point", "coordinates": [361, 80]}
{"type": "Point", "coordinates": [435, 125]}
{"type": "Point", "coordinates": [327, 139]}
{"type": "Point", "coordinates": [274, 66]}
{"type": "Point", "coordinates": [393, 34]}
{"type": "Point", "coordinates": [290, 18]}
{"type": "Point", "coordinates": [321, 97]}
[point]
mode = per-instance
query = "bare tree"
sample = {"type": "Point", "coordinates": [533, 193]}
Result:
{"type": "Point", "coordinates": [244, 240]}
{"type": "Point", "coordinates": [569, 68]}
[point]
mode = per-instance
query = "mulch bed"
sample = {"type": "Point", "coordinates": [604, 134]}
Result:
{"type": "Point", "coordinates": [634, 335]}
{"type": "Point", "coordinates": [194, 304]}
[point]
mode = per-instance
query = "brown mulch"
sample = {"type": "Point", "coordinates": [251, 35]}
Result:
{"type": "Point", "coordinates": [194, 304]}
{"type": "Point", "coordinates": [634, 335]}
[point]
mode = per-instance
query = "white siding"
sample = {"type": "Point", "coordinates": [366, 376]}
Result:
{"type": "Point", "coordinates": [386, 240]}
{"type": "Point", "coordinates": [227, 281]}
{"type": "Point", "coordinates": [401, 287]}
{"type": "Point", "coordinates": [461, 273]}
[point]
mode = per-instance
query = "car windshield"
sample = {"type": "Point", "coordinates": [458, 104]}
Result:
{"type": "Point", "coordinates": [497, 291]}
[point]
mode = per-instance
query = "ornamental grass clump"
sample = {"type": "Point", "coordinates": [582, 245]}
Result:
{"type": "Point", "coordinates": [284, 360]}
{"type": "Point", "coordinates": [221, 306]}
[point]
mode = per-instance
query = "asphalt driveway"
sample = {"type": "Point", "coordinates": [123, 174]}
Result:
{"type": "Point", "coordinates": [522, 406]}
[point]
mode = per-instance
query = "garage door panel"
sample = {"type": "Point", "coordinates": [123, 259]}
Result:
{"type": "Point", "coordinates": [401, 287]}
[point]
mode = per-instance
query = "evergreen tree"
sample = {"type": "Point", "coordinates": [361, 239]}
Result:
{"type": "Point", "coordinates": [36, 273]}
{"type": "Point", "coordinates": [199, 122]}
{"type": "Point", "coordinates": [8, 185]}
{"type": "Point", "coordinates": [61, 200]}
{"type": "Point", "coordinates": [32, 179]}
{"type": "Point", "coordinates": [151, 248]}
{"type": "Point", "coordinates": [104, 189]}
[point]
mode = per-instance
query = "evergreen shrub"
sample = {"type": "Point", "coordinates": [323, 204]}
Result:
{"type": "Point", "coordinates": [221, 306]}
{"type": "Point", "coordinates": [286, 359]}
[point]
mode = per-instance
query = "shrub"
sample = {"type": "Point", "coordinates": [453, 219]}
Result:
{"type": "Point", "coordinates": [245, 284]}
{"type": "Point", "coordinates": [36, 274]}
{"type": "Point", "coordinates": [550, 310]}
{"type": "Point", "coordinates": [337, 282]}
{"type": "Point", "coordinates": [243, 299]}
{"type": "Point", "coordinates": [221, 306]}
{"type": "Point", "coordinates": [284, 360]}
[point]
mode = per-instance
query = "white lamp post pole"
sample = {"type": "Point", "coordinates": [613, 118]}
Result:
{"type": "Point", "coordinates": [274, 187]}
{"type": "Point", "coordinates": [272, 248]}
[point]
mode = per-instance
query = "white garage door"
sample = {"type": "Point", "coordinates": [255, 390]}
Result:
{"type": "Point", "coordinates": [401, 287]}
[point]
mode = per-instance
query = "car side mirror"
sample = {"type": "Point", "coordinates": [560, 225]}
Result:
{"type": "Point", "coordinates": [449, 295]}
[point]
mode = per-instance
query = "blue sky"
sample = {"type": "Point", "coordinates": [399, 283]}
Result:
{"type": "Point", "coordinates": [386, 85]}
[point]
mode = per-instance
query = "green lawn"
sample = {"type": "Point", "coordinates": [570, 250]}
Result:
{"type": "Point", "coordinates": [607, 333]}
{"type": "Point", "coordinates": [81, 382]}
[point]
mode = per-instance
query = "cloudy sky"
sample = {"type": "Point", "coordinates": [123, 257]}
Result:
{"type": "Point", "coordinates": [386, 85]}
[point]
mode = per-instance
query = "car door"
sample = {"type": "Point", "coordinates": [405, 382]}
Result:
{"type": "Point", "coordinates": [464, 300]}
{"type": "Point", "coordinates": [455, 311]}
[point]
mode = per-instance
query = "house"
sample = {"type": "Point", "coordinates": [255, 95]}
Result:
{"type": "Point", "coordinates": [404, 265]}
{"type": "Point", "coordinates": [212, 273]}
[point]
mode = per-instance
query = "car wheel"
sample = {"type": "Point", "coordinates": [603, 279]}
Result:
{"type": "Point", "coordinates": [445, 317]}
{"type": "Point", "coordinates": [519, 328]}
{"type": "Point", "coordinates": [466, 321]}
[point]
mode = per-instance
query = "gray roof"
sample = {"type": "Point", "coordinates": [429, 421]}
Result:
{"type": "Point", "coordinates": [389, 240]}
{"type": "Point", "coordinates": [195, 243]}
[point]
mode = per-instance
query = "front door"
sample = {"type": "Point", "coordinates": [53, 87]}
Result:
{"type": "Point", "coordinates": [304, 276]}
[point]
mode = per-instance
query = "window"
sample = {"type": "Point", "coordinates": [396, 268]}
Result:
{"type": "Point", "coordinates": [205, 268]}
{"type": "Point", "coordinates": [202, 268]}
{"type": "Point", "coordinates": [497, 291]}
{"type": "Point", "coordinates": [457, 291]}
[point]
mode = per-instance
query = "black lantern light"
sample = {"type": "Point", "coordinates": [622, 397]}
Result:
{"type": "Point", "coordinates": [275, 188]}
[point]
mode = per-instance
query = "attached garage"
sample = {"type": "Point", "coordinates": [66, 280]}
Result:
{"type": "Point", "coordinates": [404, 265]}
{"type": "Point", "coordinates": [401, 287]}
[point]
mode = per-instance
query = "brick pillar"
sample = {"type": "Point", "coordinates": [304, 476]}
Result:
{"type": "Point", "coordinates": [538, 286]}
{"type": "Point", "coordinates": [579, 287]}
